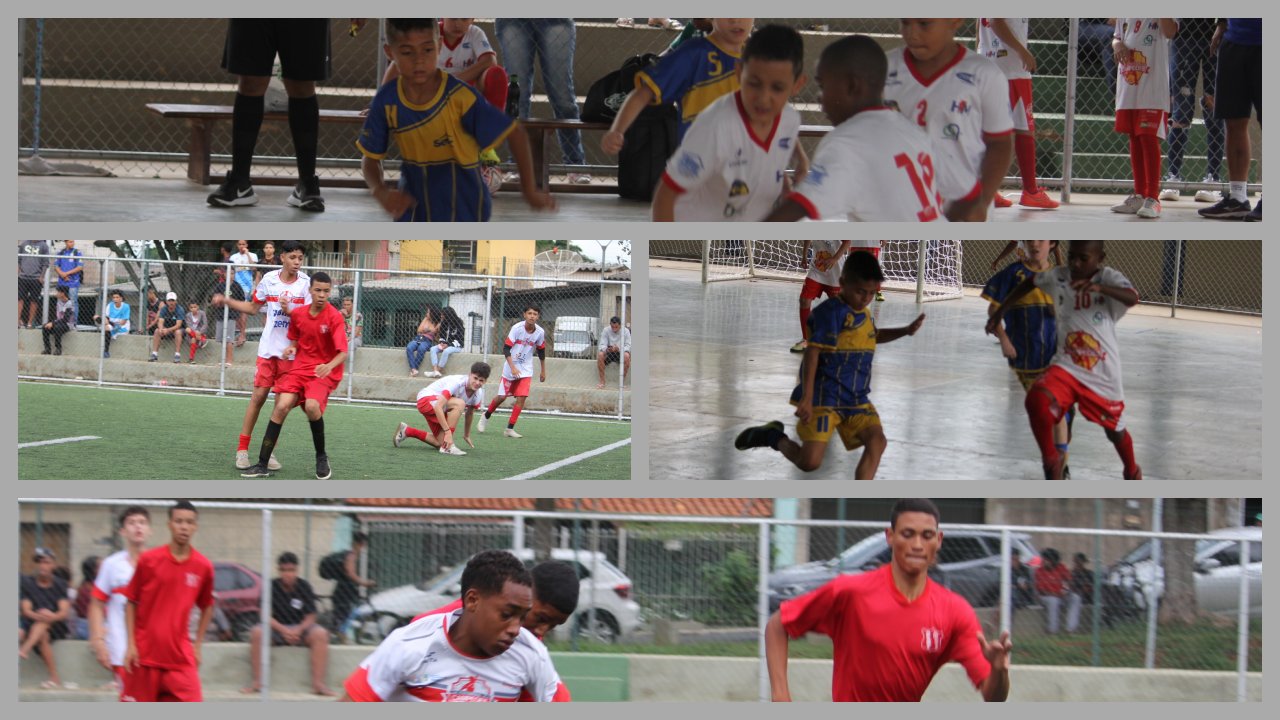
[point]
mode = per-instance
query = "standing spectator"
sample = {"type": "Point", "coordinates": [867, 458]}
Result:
{"type": "Point", "coordinates": [347, 580]}
{"type": "Point", "coordinates": [196, 325]}
{"type": "Point", "coordinates": [168, 325]}
{"type": "Point", "coordinates": [1238, 44]}
{"type": "Point", "coordinates": [1081, 589]}
{"type": "Point", "coordinates": [293, 622]}
{"type": "Point", "coordinates": [266, 263]}
{"type": "Point", "coordinates": [1096, 35]}
{"type": "Point", "coordinates": [1190, 61]}
{"type": "Point", "coordinates": [83, 595]}
{"type": "Point", "coordinates": [1024, 585]}
{"type": "Point", "coordinates": [551, 42]}
{"type": "Point", "coordinates": [70, 269]}
{"type": "Point", "coordinates": [354, 322]}
{"type": "Point", "coordinates": [222, 333]}
{"type": "Point", "coordinates": [422, 342]}
{"type": "Point", "coordinates": [1053, 582]}
{"type": "Point", "coordinates": [243, 260]}
{"type": "Point", "coordinates": [117, 321]}
{"type": "Point", "coordinates": [44, 607]}
{"type": "Point", "coordinates": [31, 278]}
{"type": "Point", "coordinates": [449, 339]}
{"type": "Point", "coordinates": [63, 320]}
{"type": "Point", "coordinates": [615, 346]}
{"type": "Point", "coordinates": [153, 310]}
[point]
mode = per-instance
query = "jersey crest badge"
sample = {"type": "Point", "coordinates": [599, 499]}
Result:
{"type": "Point", "coordinates": [931, 640]}
{"type": "Point", "coordinates": [690, 165]}
{"type": "Point", "coordinates": [965, 77]}
{"type": "Point", "coordinates": [469, 689]}
{"type": "Point", "coordinates": [1136, 68]}
{"type": "Point", "coordinates": [1084, 349]}
{"type": "Point", "coordinates": [739, 188]}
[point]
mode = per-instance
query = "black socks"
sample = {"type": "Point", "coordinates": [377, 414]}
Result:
{"type": "Point", "coordinates": [246, 121]}
{"type": "Point", "coordinates": [269, 442]}
{"type": "Point", "coordinates": [317, 435]}
{"type": "Point", "coordinates": [304, 125]}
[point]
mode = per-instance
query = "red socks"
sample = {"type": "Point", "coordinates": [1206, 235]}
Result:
{"type": "Point", "coordinates": [416, 434]}
{"type": "Point", "coordinates": [1040, 412]}
{"type": "Point", "coordinates": [804, 323]}
{"type": "Point", "coordinates": [1125, 448]}
{"type": "Point", "coordinates": [515, 413]}
{"type": "Point", "coordinates": [1024, 147]}
{"type": "Point", "coordinates": [492, 406]}
{"type": "Point", "coordinates": [495, 86]}
{"type": "Point", "coordinates": [1144, 152]}
{"type": "Point", "coordinates": [244, 442]}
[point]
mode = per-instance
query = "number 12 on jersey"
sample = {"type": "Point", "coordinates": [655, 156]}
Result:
{"type": "Point", "coordinates": [922, 181]}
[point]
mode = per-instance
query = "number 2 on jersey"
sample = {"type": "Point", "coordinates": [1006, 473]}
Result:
{"type": "Point", "coordinates": [923, 183]}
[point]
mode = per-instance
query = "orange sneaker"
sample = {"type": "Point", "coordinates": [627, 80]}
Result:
{"type": "Point", "coordinates": [1002, 201]}
{"type": "Point", "coordinates": [1038, 200]}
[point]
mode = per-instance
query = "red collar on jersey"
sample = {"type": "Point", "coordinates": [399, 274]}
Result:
{"type": "Point", "coordinates": [911, 65]}
{"type": "Point", "coordinates": [742, 111]}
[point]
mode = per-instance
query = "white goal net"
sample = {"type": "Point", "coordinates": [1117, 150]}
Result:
{"type": "Point", "coordinates": [929, 268]}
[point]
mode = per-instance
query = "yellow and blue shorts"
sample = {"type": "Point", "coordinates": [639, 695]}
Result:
{"type": "Point", "coordinates": [1028, 377]}
{"type": "Point", "coordinates": [849, 422]}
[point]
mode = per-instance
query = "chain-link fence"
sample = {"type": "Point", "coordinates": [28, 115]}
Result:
{"type": "Point", "coordinates": [429, 314]}
{"type": "Point", "coordinates": [1222, 275]}
{"type": "Point", "coordinates": [85, 82]}
{"type": "Point", "coordinates": [1096, 592]}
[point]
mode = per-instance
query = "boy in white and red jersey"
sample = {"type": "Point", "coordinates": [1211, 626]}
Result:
{"type": "Point", "coordinates": [108, 636]}
{"type": "Point", "coordinates": [732, 164]}
{"type": "Point", "coordinates": [823, 260]}
{"type": "Point", "coordinates": [281, 292]}
{"type": "Point", "coordinates": [1141, 47]}
{"type": "Point", "coordinates": [892, 628]}
{"type": "Point", "coordinates": [318, 349]}
{"type": "Point", "coordinates": [160, 662]}
{"type": "Point", "coordinates": [958, 96]}
{"type": "Point", "coordinates": [1088, 301]}
{"type": "Point", "coordinates": [875, 166]}
{"type": "Point", "coordinates": [523, 341]}
{"type": "Point", "coordinates": [478, 653]}
{"type": "Point", "coordinates": [1004, 42]}
{"type": "Point", "coordinates": [442, 403]}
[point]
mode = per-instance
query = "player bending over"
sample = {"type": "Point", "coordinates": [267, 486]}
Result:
{"type": "Point", "coordinates": [517, 371]}
{"type": "Point", "coordinates": [1088, 300]}
{"type": "Point", "coordinates": [836, 377]}
{"type": "Point", "coordinates": [441, 403]}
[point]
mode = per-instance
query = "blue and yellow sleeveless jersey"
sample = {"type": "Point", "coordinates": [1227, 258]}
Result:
{"type": "Point", "coordinates": [1029, 323]}
{"type": "Point", "coordinates": [847, 341]}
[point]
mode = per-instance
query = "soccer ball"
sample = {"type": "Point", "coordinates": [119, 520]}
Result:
{"type": "Point", "coordinates": [492, 177]}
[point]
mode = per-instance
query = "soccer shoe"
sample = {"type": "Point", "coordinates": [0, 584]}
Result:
{"type": "Point", "coordinates": [1227, 209]}
{"type": "Point", "coordinates": [1056, 471]}
{"type": "Point", "coordinates": [1002, 201]}
{"type": "Point", "coordinates": [1254, 215]}
{"type": "Point", "coordinates": [1130, 206]}
{"type": "Point", "coordinates": [1209, 196]}
{"type": "Point", "coordinates": [177, 357]}
{"type": "Point", "coordinates": [242, 459]}
{"type": "Point", "coordinates": [192, 361]}
{"type": "Point", "coordinates": [879, 296]}
{"type": "Point", "coordinates": [454, 450]}
{"type": "Point", "coordinates": [1039, 199]}
{"type": "Point", "coordinates": [510, 432]}
{"type": "Point", "coordinates": [579, 179]}
{"type": "Point", "coordinates": [273, 463]}
{"type": "Point", "coordinates": [256, 471]}
{"type": "Point", "coordinates": [1150, 208]}
{"type": "Point", "coordinates": [306, 195]}
{"type": "Point", "coordinates": [484, 423]}
{"type": "Point", "coordinates": [1137, 475]}
{"type": "Point", "coordinates": [233, 193]}
{"type": "Point", "coordinates": [490, 157]}
{"type": "Point", "coordinates": [754, 437]}
{"type": "Point", "coordinates": [322, 468]}
{"type": "Point", "coordinates": [799, 347]}
{"type": "Point", "coordinates": [106, 355]}
{"type": "Point", "coordinates": [1169, 194]}
{"type": "Point", "coordinates": [400, 434]}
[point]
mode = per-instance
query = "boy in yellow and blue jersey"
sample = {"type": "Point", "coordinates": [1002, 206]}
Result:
{"type": "Point", "coordinates": [836, 377]}
{"type": "Point", "coordinates": [441, 126]}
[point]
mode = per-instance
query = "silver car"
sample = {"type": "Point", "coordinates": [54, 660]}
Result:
{"type": "Point", "coordinates": [1217, 572]}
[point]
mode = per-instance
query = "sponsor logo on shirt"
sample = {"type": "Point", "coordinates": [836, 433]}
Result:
{"type": "Point", "coordinates": [1084, 349]}
{"type": "Point", "coordinates": [443, 141]}
{"type": "Point", "coordinates": [960, 106]}
{"type": "Point", "coordinates": [892, 104]}
{"type": "Point", "coordinates": [324, 329]}
{"type": "Point", "coordinates": [951, 132]}
{"type": "Point", "coordinates": [1135, 68]}
{"type": "Point", "coordinates": [469, 689]}
{"type": "Point", "coordinates": [784, 143]}
{"type": "Point", "coordinates": [193, 580]}
{"type": "Point", "coordinates": [1001, 53]}
{"type": "Point", "coordinates": [816, 175]}
{"type": "Point", "coordinates": [931, 640]}
{"type": "Point", "coordinates": [967, 78]}
{"type": "Point", "coordinates": [1097, 317]}
{"type": "Point", "coordinates": [739, 188]}
{"type": "Point", "coordinates": [689, 164]}
{"type": "Point", "coordinates": [1149, 40]}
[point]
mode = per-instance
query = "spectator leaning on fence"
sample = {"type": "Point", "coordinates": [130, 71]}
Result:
{"type": "Point", "coordinates": [293, 623]}
{"type": "Point", "coordinates": [613, 341]}
{"type": "Point", "coordinates": [63, 321]}
{"type": "Point", "coordinates": [354, 322]}
{"type": "Point", "coordinates": [1024, 585]}
{"type": "Point", "coordinates": [1053, 582]}
{"type": "Point", "coordinates": [117, 321]}
{"type": "Point", "coordinates": [449, 338]}
{"type": "Point", "coordinates": [43, 608]}
{"type": "Point", "coordinates": [169, 324]}
{"type": "Point", "coordinates": [242, 261]}
{"type": "Point", "coordinates": [70, 269]}
{"type": "Point", "coordinates": [1238, 44]}
{"type": "Point", "coordinates": [31, 272]}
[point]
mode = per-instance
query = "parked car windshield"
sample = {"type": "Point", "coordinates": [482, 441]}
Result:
{"type": "Point", "coordinates": [573, 336]}
{"type": "Point", "coordinates": [443, 580]}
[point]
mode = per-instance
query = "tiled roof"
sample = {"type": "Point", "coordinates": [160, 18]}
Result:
{"type": "Point", "coordinates": [714, 507]}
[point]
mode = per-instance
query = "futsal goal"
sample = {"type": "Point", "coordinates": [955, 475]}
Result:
{"type": "Point", "coordinates": [929, 268]}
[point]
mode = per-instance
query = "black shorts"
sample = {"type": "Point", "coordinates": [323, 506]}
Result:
{"type": "Point", "coordinates": [1239, 90]}
{"type": "Point", "coordinates": [303, 45]}
{"type": "Point", "coordinates": [30, 289]}
{"type": "Point", "coordinates": [57, 631]}
{"type": "Point", "coordinates": [610, 357]}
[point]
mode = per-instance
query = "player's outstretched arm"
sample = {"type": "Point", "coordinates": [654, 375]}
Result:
{"type": "Point", "coordinates": [98, 631]}
{"type": "Point", "coordinates": [885, 335]}
{"type": "Point", "coordinates": [664, 203]}
{"type": "Point", "coordinates": [130, 622]}
{"type": "Point", "coordinates": [206, 615]}
{"type": "Point", "coordinates": [775, 652]}
{"type": "Point", "coordinates": [995, 688]}
{"type": "Point", "coordinates": [788, 211]}
{"type": "Point", "coordinates": [1018, 293]}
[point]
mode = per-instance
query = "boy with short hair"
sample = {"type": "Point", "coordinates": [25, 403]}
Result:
{"type": "Point", "coordinates": [316, 332]}
{"type": "Point", "coordinates": [441, 125]}
{"type": "Point", "coordinates": [108, 636]}
{"type": "Point", "coordinates": [517, 372]}
{"type": "Point", "coordinates": [117, 321]}
{"type": "Point", "coordinates": [1088, 301]}
{"type": "Point", "coordinates": [822, 276]}
{"type": "Point", "coordinates": [441, 403]}
{"type": "Point", "coordinates": [196, 325]}
{"type": "Point", "coordinates": [169, 323]}
{"type": "Point", "coordinates": [732, 164]}
{"type": "Point", "coordinates": [1020, 246]}
{"type": "Point", "coordinates": [1141, 47]}
{"type": "Point", "coordinates": [836, 377]}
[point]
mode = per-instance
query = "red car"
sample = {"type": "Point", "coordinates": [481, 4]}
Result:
{"type": "Point", "coordinates": [237, 592]}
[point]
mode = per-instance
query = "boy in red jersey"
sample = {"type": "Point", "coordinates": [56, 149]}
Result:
{"type": "Point", "coordinates": [893, 628]}
{"type": "Point", "coordinates": [161, 664]}
{"type": "Point", "coordinates": [523, 341]}
{"type": "Point", "coordinates": [316, 332]}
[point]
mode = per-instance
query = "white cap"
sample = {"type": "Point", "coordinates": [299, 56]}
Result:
{"type": "Point", "coordinates": [171, 296]}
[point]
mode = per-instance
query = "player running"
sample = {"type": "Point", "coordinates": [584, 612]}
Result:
{"type": "Point", "coordinates": [108, 636]}
{"type": "Point", "coordinates": [160, 662]}
{"type": "Point", "coordinates": [280, 291]}
{"type": "Point", "coordinates": [478, 653]}
{"type": "Point", "coordinates": [1088, 301]}
{"type": "Point", "coordinates": [316, 331]}
{"type": "Point", "coordinates": [892, 628]}
{"type": "Point", "coordinates": [517, 371]}
{"type": "Point", "coordinates": [441, 403]}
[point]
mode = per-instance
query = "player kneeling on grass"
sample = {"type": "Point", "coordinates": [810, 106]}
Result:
{"type": "Point", "coordinates": [441, 403]}
{"type": "Point", "coordinates": [477, 653]}
{"type": "Point", "coordinates": [316, 331]}
{"type": "Point", "coordinates": [836, 377]}
{"type": "Point", "coordinates": [1088, 300]}
{"type": "Point", "coordinates": [517, 371]}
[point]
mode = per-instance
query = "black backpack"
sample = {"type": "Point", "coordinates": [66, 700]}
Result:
{"type": "Point", "coordinates": [332, 567]}
{"type": "Point", "coordinates": [607, 94]}
{"type": "Point", "coordinates": [647, 145]}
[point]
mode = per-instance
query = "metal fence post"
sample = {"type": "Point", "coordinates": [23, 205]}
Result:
{"type": "Point", "coordinates": [595, 572]}
{"type": "Point", "coordinates": [226, 334]}
{"type": "Point", "coordinates": [1153, 602]}
{"type": "Point", "coordinates": [762, 611]}
{"type": "Point", "coordinates": [1097, 584]}
{"type": "Point", "coordinates": [622, 355]}
{"type": "Point", "coordinates": [22, 60]}
{"type": "Point", "coordinates": [488, 308]}
{"type": "Point", "coordinates": [1242, 642]}
{"type": "Point", "coordinates": [517, 531]}
{"type": "Point", "coordinates": [922, 266]}
{"type": "Point", "coordinates": [306, 542]}
{"type": "Point", "coordinates": [1177, 277]}
{"type": "Point", "coordinates": [35, 136]}
{"type": "Point", "coordinates": [706, 260]}
{"type": "Point", "coordinates": [102, 320]}
{"type": "Point", "coordinates": [264, 611]}
{"type": "Point", "coordinates": [355, 313]}
{"type": "Point", "coordinates": [1006, 583]}
{"type": "Point", "coordinates": [44, 298]}
{"type": "Point", "coordinates": [1069, 124]}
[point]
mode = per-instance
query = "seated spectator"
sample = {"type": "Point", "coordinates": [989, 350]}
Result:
{"type": "Point", "coordinates": [354, 335]}
{"type": "Point", "coordinates": [63, 320]}
{"type": "Point", "coordinates": [196, 325]}
{"type": "Point", "coordinates": [153, 310]}
{"type": "Point", "coordinates": [116, 322]}
{"type": "Point", "coordinates": [615, 346]}
{"type": "Point", "coordinates": [449, 339]}
{"type": "Point", "coordinates": [70, 270]}
{"type": "Point", "coordinates": [83, 596]}
{"type": "Point", "coordinates": [422, 342]}
{"type": "Point", "coordinates": [1053, 582]}
{"type": "Point", "coordinates": [1024, 586]}
{"type": "Point", "coordinates": [293, 622]}
{"type": "Point", "coordinates": [169, 325]}
{"type": "Point", "coordinates": [1081, 588]}
{"type": "Point", "coordinates": [44, 607]}
{"type": "Point", "coordinates": [222, 329]}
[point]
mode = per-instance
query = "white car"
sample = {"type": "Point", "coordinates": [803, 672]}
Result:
{"type": "Point", "coordinates": [1217, 572]}
{"type": "Point", "coordinates": [616, 614]}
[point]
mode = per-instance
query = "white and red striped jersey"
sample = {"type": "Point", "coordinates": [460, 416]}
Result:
{"type": "Point", "coordinates": [824, 267]}
{"type": "Point", "coordinates": [1087, 346]}
{"type": "Point", "coordinates": [280, 299]}
{"type": "Point", "coordinates": [114, 574]}
{"type": "Point", "coordinates": [472, 46]}
{"type": "Point", "coordinates": [523, 345]}
{"type": "Point", "coordinates": [418, 663]}
{"type": "Point", "coordinates": [1143, 81]}
{"type": "Point", "coordinates": [453, 386]}
{"type": "Point", "coordinates": [994, 49]}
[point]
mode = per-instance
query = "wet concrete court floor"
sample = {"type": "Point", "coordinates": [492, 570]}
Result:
{"type": "Point", "coordinates": [950, 406]}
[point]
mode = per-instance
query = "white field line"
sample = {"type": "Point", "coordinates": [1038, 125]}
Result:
{"type": "Point", "coordinates": [568, 461]}
{"type": "Point", "coordinates": [58, 442]}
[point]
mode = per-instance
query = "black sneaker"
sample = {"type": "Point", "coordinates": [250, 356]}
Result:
{"type": "Point", "coordinates": [233, 193]}
{"type": "Point", "coordinates": [1255, 215]}
{"type": "Point", "coordinates": [258, 470]}
{"type": "Point", "coordinates": [754, 437]}
{"type": "Point", "coordinates": [1228, 209]}
{"type": "Point", "coordinates": [306, 195]}
{"type": "Point", "coordinates": [322, 467]}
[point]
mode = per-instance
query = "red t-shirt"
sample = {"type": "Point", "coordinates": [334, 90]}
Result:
{"type": "Point", "coordinates": [1055, 581]}
{"type": "Point", "coordinates": [319, 338]}
{"type": "Point", "coordinates": [164, 591]}
{"type": "Point", "coordinates": [888, 649]}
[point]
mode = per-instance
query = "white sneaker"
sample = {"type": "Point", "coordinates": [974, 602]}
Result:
{"type": "Point", "coordinates": [273, 463]}
{"type": "Point", "coordinates": [1169, 195]}
{"type": "Point", "coordinates": [1130, 206]}
{"type": "Point", "coordinates": [511, 177]}
{"type": "Point", "coordinates": [1208, 196]}
{"type": "Point", "coordinates": [579, 178]}
{"type": "Point", "coordinates": [511, 433]}
{"type": "Point", "coordinates": [484, 423]}
{"type": "Point", "coordinates": [1150, 208]}
{"type": "Point", "coordinates": [434, 374]}
{"type": "Point", "coordinates": [242, 460]}
{"type": "Point", "coordinates": [399, 438]}
{"type": "Point", "coordinates": [455, 450]}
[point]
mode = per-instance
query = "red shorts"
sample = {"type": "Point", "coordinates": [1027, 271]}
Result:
{"type": "Point", "coordinates": [813, 289]}
{"type": "Point", "coordinates": [153, 684]}
{"type": "Point", "coordinates": [312, 388]}
{"type": "Point", "coordinates": [427, 406]}
{"type": "Point", "coordinates": [1142, 122]}
{"type": "Point", "coordinates": [1067, 390]}
{"type": "Point", "coordinates": [1020, 102]}
{"type": "Point", "coordinates": [516, 388]}
{"type": "Point", "coordinates": [270, 371]}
